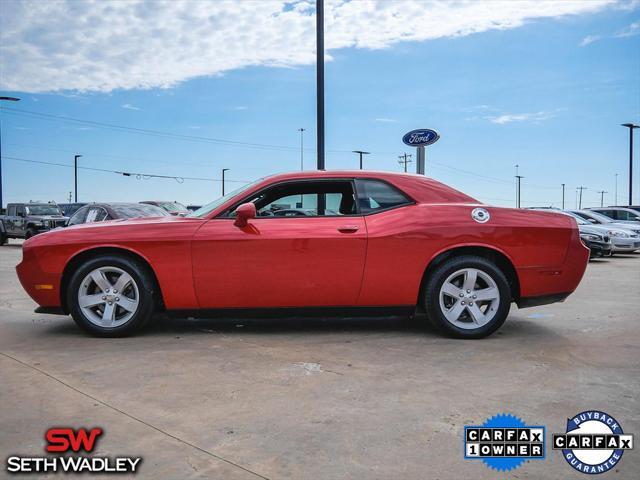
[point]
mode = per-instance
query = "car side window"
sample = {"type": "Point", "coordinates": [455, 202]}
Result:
{"type": "Point", "coordinates": [305, 199]}
{"type": "Point", "coordinates": [78, 217]}
{"type": "Point", "coordinates": [11, 211]}
{"type": "Point", "coordinates": [96, 214]}
{"type": "Point", "coordinates": [376, 195]}
{"type": "Point", "coordinates": [21, 212]}
{"type": "Point", "coordinates": [623, 215]}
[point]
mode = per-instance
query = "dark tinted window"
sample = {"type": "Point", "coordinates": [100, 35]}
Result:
{"type": "Point", "coordinates": [11, 210]}
{"type": "Point", "coordinates": [375, 195]}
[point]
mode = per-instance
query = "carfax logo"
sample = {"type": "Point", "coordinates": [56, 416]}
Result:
{"type": "Point", "coordinates": [504, 442]}
{"type": "Point", "coordinates": [67, 440]}
{"type": "Point", "coordinates": [593, 443]}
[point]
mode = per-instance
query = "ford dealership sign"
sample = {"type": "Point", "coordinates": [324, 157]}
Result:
{"type": "Point", "coordinates": [421, 137]}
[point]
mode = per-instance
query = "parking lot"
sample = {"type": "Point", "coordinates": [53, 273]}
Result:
{"type": "Point", "coordinates": [321, 399]}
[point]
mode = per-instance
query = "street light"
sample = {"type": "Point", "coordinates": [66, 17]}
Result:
{"type": "Point", "coordinates": [223, 170]}
{"type": "Point", "coordinates": [301, 130]}
{"type": "Point", "coordinates": [361, 153]}
{"type": "Point", "coordinates": [75, 175]}
{"type": "Point", "coordinates": [631, 127]}
{"type": "Point", "coordinates": [6, 99]}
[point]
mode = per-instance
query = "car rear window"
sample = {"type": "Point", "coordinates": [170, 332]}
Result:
{"type": "Point", "coordinates": [138, 210]}
{"type": "Point", "coordinates": [376, 195]}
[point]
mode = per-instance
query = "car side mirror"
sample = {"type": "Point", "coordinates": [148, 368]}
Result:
{"type": "Point", "coordinates": [592, 220]}
{"type": "Point", "coordinates": [244, 212]}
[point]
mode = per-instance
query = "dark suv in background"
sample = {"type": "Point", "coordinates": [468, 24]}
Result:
{"type": "Point", "coordinates": [24, 220]}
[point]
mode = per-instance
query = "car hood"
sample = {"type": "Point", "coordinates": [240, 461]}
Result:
{"type": "Point", "coordinates": [117, 231]}
{"type": "Point", "coordinates": [594, 229]}
{"type": "Point", "coordinates": [47, 217]}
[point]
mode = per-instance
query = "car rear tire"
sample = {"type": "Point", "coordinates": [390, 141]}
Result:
{"type": "Point", "coordinates": [111, 296]}
{"type": "Point", "coordinates": [467, 297]}
{"type": "Point", "coordinates": [29, 233]}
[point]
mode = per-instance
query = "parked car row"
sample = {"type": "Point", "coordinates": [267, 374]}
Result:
{"type": "Point", "coordinates": [607, 231]}
{"type": "Point", "coordinates": [24, 220]}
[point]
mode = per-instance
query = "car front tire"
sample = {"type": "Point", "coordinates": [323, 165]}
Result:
{"type": "Point", "coordinates": [467, 297]}
{"type": "Point", "coordinates": [111, 296]}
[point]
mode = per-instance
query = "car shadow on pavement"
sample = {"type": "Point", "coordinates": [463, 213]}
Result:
{"type": "Point", "coordinates": [165, 326]}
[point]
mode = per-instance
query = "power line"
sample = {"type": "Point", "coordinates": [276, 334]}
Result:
{"type": "Point", "coordinates": [138, 175]}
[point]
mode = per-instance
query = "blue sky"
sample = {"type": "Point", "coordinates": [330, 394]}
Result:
{"type": "Point", "coordinates": [546, 93]}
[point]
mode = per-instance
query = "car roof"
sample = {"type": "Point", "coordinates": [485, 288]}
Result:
{"type": "Point", "coordinates": [420, 187]}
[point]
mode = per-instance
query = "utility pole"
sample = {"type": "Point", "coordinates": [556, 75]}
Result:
{"type": "Point", "coordinates": [75, 175]}
{"type": "Point", "coordinates": [631, 128]}
{"type": "Point", "coordinates": [518, 178]}
{"type": "Point", "coordinates": [563, 196]}
{"type": "Point", "coordinates": [301, 130]}
{"type": "Point", "coordinates": [580, 189]}
{"type": "Point", "coordinates": [616, 194]}
{"type": "Point", "coordinates": [69, 197]}
{"type": "Point", "coordinates": [223, 170]}
{"type": "Point", "coordinates": [602, 192]}
{"type": "Point", "coordinates": [361, 153]}
{"type": "Point", "coordinates": [5, 99]}
{"type": "Point", "coordinates": [320, 83]}
{"type": "Point", "coordinates": [404, 160]}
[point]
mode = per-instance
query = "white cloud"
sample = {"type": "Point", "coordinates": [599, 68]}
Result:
{"type": "Point", "coordinates": [102, 46]}
{"type": "Point", "coordinates": [128, 106]}
{"type": "Point", "coordinates": [589, 39]}
{"type": "Point", "coordinates": [240, 107]}
{"type": "Point", "coordinates": [535, 117]}
{"type": "Point", "coordinates": [385, 120]}
{"type": "Point", "coordinates": [630, 31]}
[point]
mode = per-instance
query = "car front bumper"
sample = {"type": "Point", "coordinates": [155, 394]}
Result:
{"type": "Point", "coordinates": [625, 244]}
{"type": "Point", "coordinates": [598, 249]}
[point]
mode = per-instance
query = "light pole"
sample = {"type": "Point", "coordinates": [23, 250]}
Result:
{"type": "Point", "coordinates": [301, 130]}
{"type": "Point", "coordinates": [5, 99]}
{"type": "Point", "coordinates": [602, 192]}
{"type": "Point", "coordinates": [404, 160]}
{"type": "Point", "coordinates": [223, 170]}
{"type": "Point", "coordinates": [361, 153]}
{"type": "Point", "coordinates": [75, 176]}
{"type": "Point", "coordinates": [563, 196]}
{"type": "Point", "coordinates": [518, 177]}
{"type": "Point", "coordinates": [320, 82]}
{"type": "Point", "coordinates": [580, 189]}
{"type": "Point", "coordinates": [631, 127]}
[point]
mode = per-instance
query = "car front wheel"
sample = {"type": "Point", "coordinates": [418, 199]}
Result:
{"type": "Point", "coordinates": [111, 296]}
{"type": "Point", "coordinates": [467, 297]}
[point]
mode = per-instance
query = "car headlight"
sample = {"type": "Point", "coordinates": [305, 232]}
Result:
{"type": "Point", "coordinates": [593, 238]}
{"type": "Point", "coordinates": [619, 234]}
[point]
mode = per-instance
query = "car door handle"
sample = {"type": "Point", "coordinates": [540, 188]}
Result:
{"type": "Point", "coordinates": [348, 229]}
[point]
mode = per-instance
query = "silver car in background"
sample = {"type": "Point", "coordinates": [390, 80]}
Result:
{"type": "Point", "coordinates": [624, 238]}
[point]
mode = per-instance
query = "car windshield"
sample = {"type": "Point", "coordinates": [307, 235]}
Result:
{"type": "Point", "coordinates": [173, 206]}
{"type": "Point", "coordinates": [203, 211]}
{"type": "Point", "coordinates": [43, 210]}
{"type": "Point", "coordinates": [579, 219]}
{"type": "Point", "coordinates": [134, 210]}
{"type": "Point", "coordinates": [600, 218]}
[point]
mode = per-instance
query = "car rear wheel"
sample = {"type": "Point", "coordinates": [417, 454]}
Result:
{"type": "Point", "coordinates": [29, 233]}
{"type": "Point", "coordinates": [467, 297]}
{"type": "Point", "coordinates": [111, 296]}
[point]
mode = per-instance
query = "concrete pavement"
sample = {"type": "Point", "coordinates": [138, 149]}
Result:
{"type": "Point", "coordinates": [321, 399]}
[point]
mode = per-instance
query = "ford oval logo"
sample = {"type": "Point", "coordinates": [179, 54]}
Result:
{"type": "Point", "coordinates": [421, 137]}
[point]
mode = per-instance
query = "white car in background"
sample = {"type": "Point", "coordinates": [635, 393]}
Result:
{"type": "Point", "coordinates": [623, 240]}
{"type": "Point", "coordinates": [597, 218]}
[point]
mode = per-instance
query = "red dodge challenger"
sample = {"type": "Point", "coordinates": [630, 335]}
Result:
{"type": "Point", "coordinates": [335, 242]}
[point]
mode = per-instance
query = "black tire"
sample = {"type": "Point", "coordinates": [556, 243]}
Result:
{"type": "Point", "coordinates": [435, 281]}
{"type": "Point", "coordinates": [145, 294]}
{"type": "Point", "coordinates": [3, 238]}
{"type": "Point", "coordinates": [29, 233]}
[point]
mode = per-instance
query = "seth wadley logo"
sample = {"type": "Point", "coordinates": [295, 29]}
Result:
{"type": "Point", "coordinates": [67, 440]}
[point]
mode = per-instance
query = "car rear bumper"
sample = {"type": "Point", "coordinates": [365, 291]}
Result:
{"type": "Point", "coordinates": [541, 285]}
